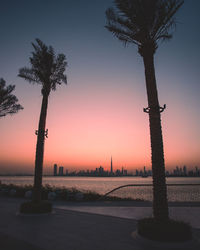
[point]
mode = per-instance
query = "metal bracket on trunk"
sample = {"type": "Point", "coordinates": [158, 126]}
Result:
{"type": "Point", "coordinates": [161, 109]}
{"type": "Point", "coordinates": [45, 133]}
{"type": "Point", "coordinates": [146, 110]}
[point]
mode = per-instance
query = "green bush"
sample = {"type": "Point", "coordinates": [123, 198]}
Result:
{"type": "Point", "coordinates": [168, 231]}
{"type": "Point", "coordinates": [31, 207]}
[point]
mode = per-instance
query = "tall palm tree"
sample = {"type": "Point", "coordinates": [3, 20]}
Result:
{"type": "Point", "coordinates": [145, 23]}
{"type": "Point", "coordinates": [48, 70]}
{"type": "Point", "coordinates": [8, 101]}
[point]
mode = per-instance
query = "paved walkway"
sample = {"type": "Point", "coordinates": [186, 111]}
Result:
{"type": "Point", "coordinates": [75, 230]}
{"type": "Point", "coordinates": [188, 214]}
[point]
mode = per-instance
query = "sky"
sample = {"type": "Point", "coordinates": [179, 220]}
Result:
{"type": "Point", "coordinates": [99, 113]}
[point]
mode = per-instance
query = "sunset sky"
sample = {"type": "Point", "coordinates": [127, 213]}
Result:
{"type": "Point", "coordinates": [99, 112]}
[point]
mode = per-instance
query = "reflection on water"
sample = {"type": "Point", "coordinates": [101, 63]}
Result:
{"type": "Point", "coordinates": [103, 185]}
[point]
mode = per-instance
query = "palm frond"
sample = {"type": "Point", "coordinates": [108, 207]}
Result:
{"type": "Point", "coordinates": [120, 27]}
{"type": "Point", "coordinates": [58, 77]}
{"type": "Point", "coordinates": [29, 75]}
{"type": "Point", "coordinates": [166, 21]}
{"type": "Point", "coordinates": [8, 101]}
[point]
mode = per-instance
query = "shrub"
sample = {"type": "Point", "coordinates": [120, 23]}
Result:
{"type": "Point", "coordinates": [28, 194]}
{"type": "Point", "coordinates": [168, 231]}
{"type": "Point", "coordinates": [62, 193]}
{"type": "Point", "coordinates": [51, 196]}
{"type": "Point", "coordinates": [31, 207]}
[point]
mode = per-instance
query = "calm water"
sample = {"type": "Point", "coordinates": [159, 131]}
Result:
{"type": "Point", "coordinates": [103, 185]}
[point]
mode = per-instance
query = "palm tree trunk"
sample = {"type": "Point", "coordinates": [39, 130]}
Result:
{"type": "Point", "coordinates": [160, 204]}
{"type": "Point", "coordinates": [40, 151]}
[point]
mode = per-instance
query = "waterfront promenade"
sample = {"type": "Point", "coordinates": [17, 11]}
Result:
{"type": "Point", "coordinates": [87, 226]}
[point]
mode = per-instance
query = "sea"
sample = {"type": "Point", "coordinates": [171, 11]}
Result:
{"type": "Point", "coordinates": [103, 185]}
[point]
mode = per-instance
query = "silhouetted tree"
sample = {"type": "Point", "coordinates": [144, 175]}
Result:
{"type": "Point", "coordinates": [145, 23]}
{"type": "Point", "coordinates": [8, 101]}
{"type": "Point", "coordinates": [48, 70]}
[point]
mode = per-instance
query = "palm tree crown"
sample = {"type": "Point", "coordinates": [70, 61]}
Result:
{"type": "Point", "coordinates": [143, 22]}
{"type": "Point", "coordinates": [46, 69]}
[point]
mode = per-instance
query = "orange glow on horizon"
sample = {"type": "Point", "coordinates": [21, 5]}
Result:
{"type": "Point", "coordinates": [85, 135]}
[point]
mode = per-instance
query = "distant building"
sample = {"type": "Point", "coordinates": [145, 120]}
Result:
{"type": "Point", "coordinates": [144, 173]}
{"type": "Point", "coordinates": [101, 170]}
{"type": "Point", "coordinates": [185, 170]}
{"type": "Point", "coordinates": [60, 171]}
{"type": "Point", "coordinates": [55, 169]}
{"type": "Point", "coordinates": [125, 172]}
{"type": "Point", "coordinates": [111, 166]}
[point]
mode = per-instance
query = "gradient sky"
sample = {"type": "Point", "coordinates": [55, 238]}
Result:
{"type": "Point", "coordinates": [99, 112]}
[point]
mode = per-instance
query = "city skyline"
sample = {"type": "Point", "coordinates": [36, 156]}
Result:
{"type": "Point", "coordinates": [144, 172]}
{"type": "Point", "coordinates": [107, 167]}
{"type": "Point", "coordinates": [169, 172]}
{"type": "Point", "coordinates": [59, 171]}
{"type": "Point", "coordinates": [100, 112]}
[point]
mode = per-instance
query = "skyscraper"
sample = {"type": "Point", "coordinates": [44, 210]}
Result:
{"type": "Point", "coordinates": [61, 171]}
{"type": "Point", "coordinates": [55, 169]}
{"type": "Point", "coordinates": [185, 170]}
{"type": "Point", "coordinates": [111, 167]}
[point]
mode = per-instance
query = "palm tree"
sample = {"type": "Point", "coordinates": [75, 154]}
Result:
{"type": "Point", "coordinates": [48, 70]}
{"type": "Point", "coordinates": [8, 101]}
{"type": "Point", "coordinates": [145, 23]}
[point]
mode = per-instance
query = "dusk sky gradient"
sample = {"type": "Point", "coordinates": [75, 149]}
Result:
{"type": "Point", "coordinates": [99, 112]}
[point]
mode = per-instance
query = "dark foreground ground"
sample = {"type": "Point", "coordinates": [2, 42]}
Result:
{"type": "Point", "coordinates": [73, 230]}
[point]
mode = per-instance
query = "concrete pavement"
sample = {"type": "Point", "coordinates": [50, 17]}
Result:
{"type": "Point", "coordinates": [189, 214]}
{"type": "Point", "coordinates": [74, 230]}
